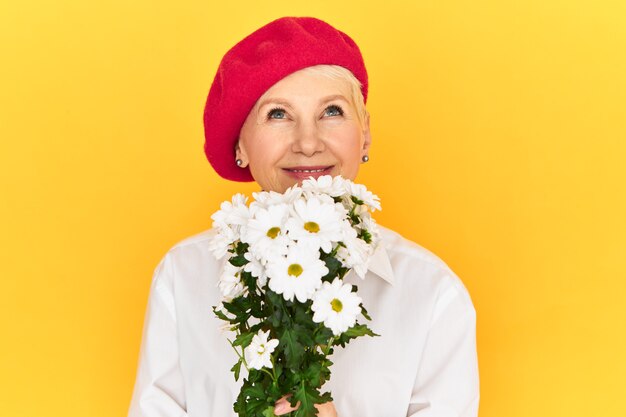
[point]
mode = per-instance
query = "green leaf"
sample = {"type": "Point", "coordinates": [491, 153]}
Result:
{"type": "Point", "coordinates": [333, 265]}
{"type": "Point", "coordinates": [313, 374]}
{"type": "Point", "coordinates": [308, 397]}
{"type": "Point", "coordinates": [241, 248]}
{"type": "Point", "coordinates": [326, 397]}
{"type": "Point", "coordinates": [318, 369]}
{"type": "Point", "coordinates": [243, 339]}
{"type": "Point", "coordinates": [289, 380]}
{"type": "Point", "coordinates": [365, 235]}
{"type": "Point", "coordinates": [325, 372]}
{"type": "Point", "coordinates": [359, 330]}
{"type": "Point", "coordinates": [255, 375]}
{"type": "Point", "coordinates": [255, 312]}
{"type": "Point", "coordinates": [220, 314]}
{"type": "Point", "coordinates": [255, 400]}
{"type": "Point", "coordinates": [278, 369]}
{"type": "Point", "coordinates": [274, 392]}
{"type": "Point", "coordinates": [255, 407]}
{"type": "Point", "coordinates": [323, 335]}
{"type": "Point", "coordinates": [303, 315]}
{"type": "Point", "coordinates": [276, 317]}
{"type": "Point", "coordinates": [292, 347]}
{"type": "Point", "coordinates": [356, 201]}
{"type": "Point", "coordinates": [254, 391]}
{"type": "Point", "coordinates": [238, 260]}
{"type": "Point", "coordinates": [269, 412]}
{"type": "Point", "coordinates": [240, 308]}
{"type": "Point", "coordinates": [240, 404]}
{"type": "Point", "coordinates": [365, 313]}
{"type": "Point", "coordinates": [352, 333]}
{"type": "Point", "coordinates": [236, 369]}
{"type": "Point", "coordinates": [249, 280]}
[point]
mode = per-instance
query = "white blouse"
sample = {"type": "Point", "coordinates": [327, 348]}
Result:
{"type": "Point", "coordinates": [423, 364]}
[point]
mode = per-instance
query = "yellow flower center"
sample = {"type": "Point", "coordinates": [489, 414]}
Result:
{"type": "Point", "coordinates": [336, 305]}
{"type": "Point", "coordinates": [273, 232]}
{"type": "Point", "coordinates": [311, 227]}
{"type": "Point", "coordinates": [261, 350]}
{"type": "Point", "coordinates": [294, 270]}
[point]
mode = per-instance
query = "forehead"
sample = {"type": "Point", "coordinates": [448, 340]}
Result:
{"type": "Point", "coordinates": [304, 86]}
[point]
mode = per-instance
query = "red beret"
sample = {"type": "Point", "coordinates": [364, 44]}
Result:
{"type": "Point", "coordinates": [256, 63]}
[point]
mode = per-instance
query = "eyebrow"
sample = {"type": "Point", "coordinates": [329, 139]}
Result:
{"type": "Point", "coordinates": [285, 102]}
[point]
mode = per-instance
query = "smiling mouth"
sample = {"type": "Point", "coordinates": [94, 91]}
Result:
{"type": "Point", "coordinates": [316, 168]}
{"type": "Point", "coordinates": [304, 172]}
{"type": "Point", "coordinates": [308, 170]}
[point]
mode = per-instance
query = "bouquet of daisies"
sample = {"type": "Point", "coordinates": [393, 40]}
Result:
{"type": "Point", "coordinates": [283, 294]}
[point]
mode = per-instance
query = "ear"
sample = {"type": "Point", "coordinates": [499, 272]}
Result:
{"type": "Point", "coordinates": [240, 153]}
{"type": "Point", "coordinates": [367, 137]}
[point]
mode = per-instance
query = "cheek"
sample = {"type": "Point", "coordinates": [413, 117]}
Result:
{"type": "Point", "coordinates": [349, 169]}
{"type": "Point", "coordinates": [264, 153]}
{"type": "Point", "coordinates": [348, 150]}
{"type": "Point", "coordinates": [261, 162]}
{"type": "Point", "coordinates": [263, 147]}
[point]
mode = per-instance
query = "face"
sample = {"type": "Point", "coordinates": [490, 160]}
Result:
{"type": "Point", "coordinates": [304, 125]}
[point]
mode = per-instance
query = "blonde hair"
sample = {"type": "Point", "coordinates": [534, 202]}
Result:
{"type": "Point", "coordinates": [340, 73]}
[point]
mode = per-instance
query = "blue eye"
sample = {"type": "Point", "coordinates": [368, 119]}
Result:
{"type": "Point", "coordinates": [276, 113]}
{"type": "Point", "coordinates": [333, 110]}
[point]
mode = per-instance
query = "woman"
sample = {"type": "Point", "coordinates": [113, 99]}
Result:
{"type": "Point", "coordinates": [288, 102]}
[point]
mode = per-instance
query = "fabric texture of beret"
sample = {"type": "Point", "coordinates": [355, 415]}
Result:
{"type": "Point", "coordinates": [256, 63]}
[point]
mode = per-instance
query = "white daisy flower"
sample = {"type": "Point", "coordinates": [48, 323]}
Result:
{"type": "Point", "coordinates": [323, 198]}
{"type": "Point", "coordinates": [233, 212]}
{"type": "Point", "coordinates": [369, 224]}
{"type": "Point", "coordinates": [256, 268]}
{"type": "Point", "coordinates": [258, 352]}
{"type": "Point", "coordinates": [361, 192]}
{"type": "Point", "coordinates": [298, 274]}
{"type": "Point", "coordinates": [266, 232]}
{"type": "Point", "coordinates": [355, 252]}
{"type": "Point", "coordinates": [316, 223]}
{"type": "Point", "coordinates": [355, 255]}
{"type": "Point", "coordinates": [336, 306]}
{"type": "Point", "coordinates": [230, 283]}
{"type": "Point", "coordinates": [333, 186]}
{"type": "Point", "coordinates": [264, 199]}
{"type": "Point", "coordinates": [221, 242]}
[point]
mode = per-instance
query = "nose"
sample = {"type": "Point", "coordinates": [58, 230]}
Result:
{"type": "Point", "coordinates": [308, 139]}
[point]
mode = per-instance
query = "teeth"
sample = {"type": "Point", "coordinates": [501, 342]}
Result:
{"type": "Point", "coordinates": [308, 170]}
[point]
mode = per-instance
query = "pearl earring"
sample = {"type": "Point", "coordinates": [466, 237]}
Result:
{"type": "Point", "coordinates": [239, 162]}
{"type": "Point", "coordinates": [365, 158]}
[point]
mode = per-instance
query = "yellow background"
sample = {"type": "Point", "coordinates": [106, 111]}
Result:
{"type": "Point", "coordinates": [499, 144]}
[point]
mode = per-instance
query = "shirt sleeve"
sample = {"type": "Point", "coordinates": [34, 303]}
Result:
{"type": "Point", "coordinates": [447, 383]}
{"type": "Point", "coordinates": [159, 390]}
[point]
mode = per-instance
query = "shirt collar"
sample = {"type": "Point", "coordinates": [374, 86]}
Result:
{"type": "Point", "coordinates": [380, 263]}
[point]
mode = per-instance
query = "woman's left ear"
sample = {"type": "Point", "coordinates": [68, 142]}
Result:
{"type": "Point", "coordinates": [241, 158]}
{"type": "Point", "coordinates": [367, 137]}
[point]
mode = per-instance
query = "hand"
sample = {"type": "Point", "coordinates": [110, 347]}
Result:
{"type": "Point", "coordinates": [323, 410]}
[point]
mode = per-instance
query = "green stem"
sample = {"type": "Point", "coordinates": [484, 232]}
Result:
{"type": "Point", "coordinates": [268, 372]}
{"type": "Point", "coordinates": [329, 345]}
{"type": "Point", "coordinates": [333, 253]}
{"type": "Point", "coordinates": [352, 210]}
{"type": "Point", "coordinates": [275, 378]}
{"type": "Point", "coordinates": [241, 356]}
